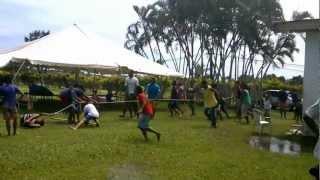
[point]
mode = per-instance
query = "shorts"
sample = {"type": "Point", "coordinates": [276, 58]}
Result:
{"type": "Point", "coordinates": [144, 121]}
{"type": "Point", "coordinates": [9, 112]}
{"type": "Point", "coordinates": [75, 108]}
{"type": "Point", "coordinates": [88, 118]}
{"type": "Point", "coordinates": [173, 104]}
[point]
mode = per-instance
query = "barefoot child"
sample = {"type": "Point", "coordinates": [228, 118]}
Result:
{"type": "Point", "coordinates": [90, 113]}
{"type": "Point", "coordinates": [146, 113]}
{"type": "Point", "coordinates": [210, 103]}
{"type": "Point", "coordinates": [31, 120]}
{"type": "Point", "coordinates": [9, 104]}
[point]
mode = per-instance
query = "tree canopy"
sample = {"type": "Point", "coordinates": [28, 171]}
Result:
{"type": "Point", "coordinates": [219, 39]}
{"type": "Point", "coordinates": [34, 35]}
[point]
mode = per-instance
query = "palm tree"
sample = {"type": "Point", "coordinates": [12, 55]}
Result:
{"type": "Point", "coordinates": [275, 53]}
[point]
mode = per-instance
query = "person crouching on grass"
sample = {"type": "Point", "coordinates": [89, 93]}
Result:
{"type": "Point", "coordinates": [90, 114]}
{"type": "Point", "coordinates": [146, 113]}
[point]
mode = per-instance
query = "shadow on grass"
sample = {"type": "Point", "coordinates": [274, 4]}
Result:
{"type": "Point", "coordinates": [139, 140]}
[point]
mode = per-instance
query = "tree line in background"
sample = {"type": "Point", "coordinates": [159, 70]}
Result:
{"type": "Point", "coordinates": [219, 39]}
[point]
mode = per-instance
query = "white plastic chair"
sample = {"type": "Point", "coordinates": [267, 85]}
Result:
{"type": "Point", "coordinates": [261, 121]}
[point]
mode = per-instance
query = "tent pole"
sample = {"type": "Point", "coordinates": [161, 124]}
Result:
{"type": "Point", "coordinates": [18, 71]}
{"type": "Point", "coordinates": [94, 80]}
{"type": "Point", "coordinates": [76, 76]}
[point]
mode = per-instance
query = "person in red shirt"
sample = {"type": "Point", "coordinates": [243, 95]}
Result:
{"type": "Point", "coordinates": [146, 113]}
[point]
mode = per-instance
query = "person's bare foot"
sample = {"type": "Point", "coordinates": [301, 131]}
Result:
{"type": "Point", "coordinates": [73, 128]}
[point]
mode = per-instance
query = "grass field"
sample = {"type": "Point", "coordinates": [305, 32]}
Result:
{"type": "Point", "coordinates": [189, 149]}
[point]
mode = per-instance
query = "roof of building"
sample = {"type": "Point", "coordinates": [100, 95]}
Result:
{"type": "Point", "coordinates": [306, 25]}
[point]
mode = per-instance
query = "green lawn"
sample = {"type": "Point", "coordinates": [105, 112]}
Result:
{"type": "Point", "coordinates": [189, 149]}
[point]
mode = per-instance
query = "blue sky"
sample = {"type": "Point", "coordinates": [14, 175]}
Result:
{"type": "Point", "coordinates": [109, 18]}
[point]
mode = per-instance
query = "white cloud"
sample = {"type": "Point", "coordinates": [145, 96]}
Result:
{"type": "Point", "coordinates": [110, 18]}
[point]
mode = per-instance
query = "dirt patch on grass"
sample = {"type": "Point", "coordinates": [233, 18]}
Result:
{"type": "Point", "coordinates": [127, 172]}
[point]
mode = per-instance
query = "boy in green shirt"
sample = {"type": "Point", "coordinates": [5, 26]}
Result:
{"type": "Point", "coordinates": [245, 102]}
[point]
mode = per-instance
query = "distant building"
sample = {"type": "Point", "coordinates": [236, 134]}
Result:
{"type": "Point", "coordinates": [311, 82]}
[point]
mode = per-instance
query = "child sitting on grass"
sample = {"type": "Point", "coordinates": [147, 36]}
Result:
{"type": "Point", "coordinates": [90, 114]}
{"type": "Point", "coordinates": [32, 120]}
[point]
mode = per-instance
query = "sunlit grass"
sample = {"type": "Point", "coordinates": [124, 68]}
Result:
{"type": "Point", "coordinates": [189, 149]}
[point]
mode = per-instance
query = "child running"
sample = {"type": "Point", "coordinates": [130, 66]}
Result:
{"type": "Point", "coordinates": [173, 105]}
{"type": "Point", "coordinates": [210, 103]}
{"type": "Point", "coordinates": [146, 113]}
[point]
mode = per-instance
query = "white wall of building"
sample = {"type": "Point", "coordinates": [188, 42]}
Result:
{"type": "Point", "coordinates": [312, 69]}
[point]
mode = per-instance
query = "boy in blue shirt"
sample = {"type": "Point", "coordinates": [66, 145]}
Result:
{"type": "Point", "coordinates": [9, 104]}
{"type": "Point", "coordinates": [153, 89]}
{"type": "Point", "coordinates": [153, 92]}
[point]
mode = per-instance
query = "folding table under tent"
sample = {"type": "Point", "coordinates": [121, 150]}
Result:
{"type": "Point", "coordinates": [72, 48]}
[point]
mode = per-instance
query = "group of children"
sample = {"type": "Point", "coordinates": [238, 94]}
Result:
{"type": "Point", "coordinates": [74, 96]}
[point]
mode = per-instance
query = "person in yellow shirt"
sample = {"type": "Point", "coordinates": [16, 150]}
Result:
{"type": "Point", "coordinates": [210, 103]}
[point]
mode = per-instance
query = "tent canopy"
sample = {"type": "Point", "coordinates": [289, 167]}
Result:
{"type": "Point", "coordinates": [73, 48]}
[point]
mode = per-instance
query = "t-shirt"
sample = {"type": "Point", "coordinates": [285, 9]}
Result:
{"type": "Point", "coordinates": [283, 96]}
{"type": "Point", "coordinates": [209, 98]}
{"type": "Point", "coordinates": [190, 93]}
{"type": "Point", "coordinates": [313, 112]}
{"type": "Point", "coordinates": [246, 99]}
{"type": "Point", "coordinates": [181, 93]}
{"type": "Point", "coordinates": [131, 84]}
{"type": "Point", "coordinates": [267, 104]}
{"type": "Point", "coordinates": [9, 92]}
{"type": "Point", "coordinates": [27, 118]}
{"type": "Point", "coordinates": [90, 110]}
{"type": "Point", "coordinates": [64, 96]}
{"type": "Point", "coordinates": [174, 93]}
{"type": "Point", "coordinates": [74, 94]}
{"type": "Point", "coordinates": [148, 108]}
{"type": "Point", "coordinates": [153, 90]}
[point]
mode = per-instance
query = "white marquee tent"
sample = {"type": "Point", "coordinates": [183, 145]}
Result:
{"type": "Point", "coordinates": [73, 48]}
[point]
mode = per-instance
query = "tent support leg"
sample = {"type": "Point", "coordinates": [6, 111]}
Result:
{"type": "Point", "coordinates": [18, 71]}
